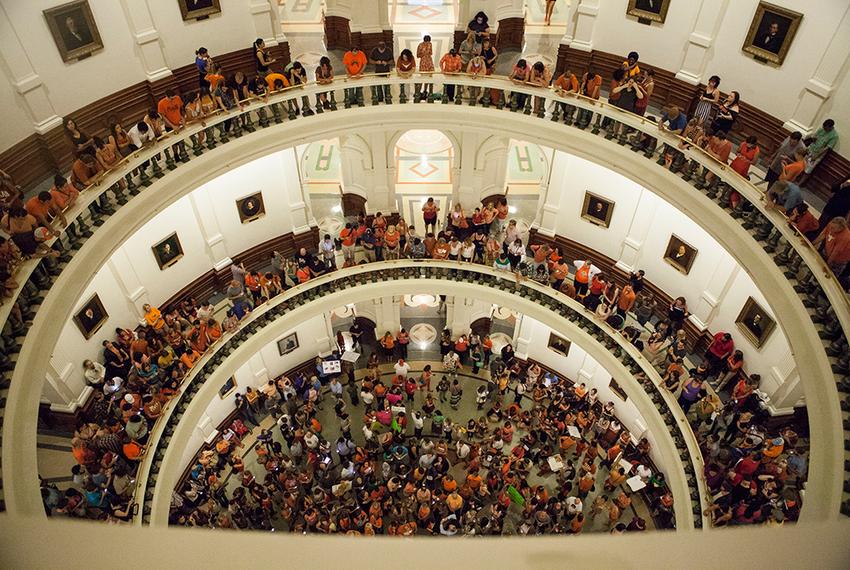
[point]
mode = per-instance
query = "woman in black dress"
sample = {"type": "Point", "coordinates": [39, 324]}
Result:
{"type": "Point", "coordinates": [116, 360]}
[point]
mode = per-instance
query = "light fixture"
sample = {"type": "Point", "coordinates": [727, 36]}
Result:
{"type": "Point", "coordinates": [512, 209]}
{"type": "Point", "coordinates": [423, 160]}
{"type": "Point", "coordinates": [423, 345]}
{"type": "Point", "coordinates": [337, 209]}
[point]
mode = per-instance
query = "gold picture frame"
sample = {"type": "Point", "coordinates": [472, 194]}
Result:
{"type": "Point", "coordinates": [74, 30]}
{"type": "Point", "coordinates": [597, 210]}
{"type": "Point", "coordinates": [226, 388]}
{"type": "Point", "coordinates": [754, 322]}
{"type": "Point", "coordinates": [615, 387]}
{"type": "Point", "coordinates": [91, 317]}
{"type": "Point", "coordinates": [198, 9]}
{"type": "Point", "coordinates": [251, 207]}
{"type": "Point", "coordinates": [769, 44]}
{"type": "Point", "coordinates": [680, 254]}
{"type": "Point", "coordinates": [653, 10]}
{"type": "Point", "coordinates": [167, 252]}
{"type": "Point", "coordinates": [559, 344]}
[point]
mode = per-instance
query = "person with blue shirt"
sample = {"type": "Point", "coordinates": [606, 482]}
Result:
{"type": "Point", "coordinates": [673, 120]}
{"type": "Point", "coordinates": [784, 192]}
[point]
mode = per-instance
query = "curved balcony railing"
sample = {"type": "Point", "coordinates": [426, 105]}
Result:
{"type": "Point", "coordinates": [684, 476]}
{"type": "Point", "coordinates": [817, 287]}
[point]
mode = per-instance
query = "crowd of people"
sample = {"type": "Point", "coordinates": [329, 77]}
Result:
{"type": "Point", "coordinates": [753, 473]}
{"type": "Point", "coordinates": [389, 459]}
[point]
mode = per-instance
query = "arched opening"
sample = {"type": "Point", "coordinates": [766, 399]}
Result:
{"type": "Point", "coordinates": [423, 165]}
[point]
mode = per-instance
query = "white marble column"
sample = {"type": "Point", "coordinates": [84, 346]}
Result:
{"type": "Point", "coordinates": [380, 195]}
{"type": "Point", "coordinates": [216, 245]}
{"type": "Point", "coordinates": [701, 39]}
{"type": "Point", "coordinates": [522, 336]}
{"type": "Point", "coordinates": [587, 371]}
{"type": "Point", "coordinates": [510, 9]}
{"type": "Point", "coordinates": [643, 219]}
{"type": "Point", "coordinates": [547, 218]}
{"type": "Point", "coordinates": [459, 315]}
{"type": "Point", "coordinates": [356, 168]}
{"type": "Point", "coordinates": [463, 170]}
{"type": "Point", "coordinates": [586, 13]}
{"type": "Point", "coordinates": [572, 10]}
{"type": "Point", "coordinates": [820, 86]}
{"type": "Point", "coordinates": [369, 16]}
{"type": "Point", "coordinates": [491, 167]}
{"type": "Point", "coordinates": [301, 216]}
{"type": "Point", "coordinates": [123, 271]}
{"type": "Point", "coordinates": [706, 307]}
{"type": "Point", "coordinates": [327, 341]}
{"type": "Point", "coordinates": [24, 78]}
{"type": "Point", "coordinates": [146, 36]}
{"type": "Point", "coordinates": [387, 315]}
{"type": "Point", "coordinates": [789, 395]}
{"type": "Point", "coordinates": [259, 370]}
{"type": "Point", "coordinates": [264, 13]}
{"type": "Point", "coordinates": [341, 8]}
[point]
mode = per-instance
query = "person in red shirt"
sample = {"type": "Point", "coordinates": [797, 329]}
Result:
{"type": "Point", "coordinates": [719, 349]}
{"type": "Point", "coordinates": [355, 62]}
{"type": "Point", "coordinates": [803, 220]}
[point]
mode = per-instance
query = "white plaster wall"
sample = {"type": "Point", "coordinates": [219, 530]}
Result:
{"type": "Point", "coordinates": [228, 31]}
{"type": "Point", "coordinates": [17, 122]}
{"type": "Point", "coordinates": [263, 175]}
{"type": "Point", "coordinates": [75, 84]}
{"type": "Point", "coordinates": [573, 177]}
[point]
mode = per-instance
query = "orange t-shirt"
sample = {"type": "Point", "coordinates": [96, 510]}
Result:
{"type": "Point", "coordinates": [354, 63]}
{"type": "Point", "coordinates": [36, 207]}
{"type": "Point", "coordinates": [451, 64]}
{"type": "Point", "coordinates": [791, 171]}
{"type": "Point", "coordinates": [171, 109]}
{"type": "Point", "coordinates": [271, 78]}
{"type": "Point", "coordinates": [567, 83]}
{"type": "Point", "coordinates": [347, 236]}
{"type": "Point", "coordinates": [214, 79]}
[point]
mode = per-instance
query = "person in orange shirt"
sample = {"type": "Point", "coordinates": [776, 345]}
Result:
{"type": "Point", "coordinates": [276, 81]}
{"type": "Point", "coordinates": [84, 170]}
{"type": "Point", "coordinates": [792, 170]}
{"type": "Point", "coordinates": [591, 83]}
{"type": "Point", "coordinates": [451, 63]}
{"type": "Point", "coordinates": [349, 239]}
{"type": "Point", "coordinates": [43, 209]}
{"type": "Point", "coordinates": [213, 76]}
{"type": "Point", "coordinates": [626, 301]}
{"type": "Point", "coordinates": [170, 109]}
{"type": "Point", "coordinates": [355, 62]}
{"type": "Point", "coordinates": [189, 358]}
{"type": "Point", "coordinates": [63, 192]}
{"type": "Point", "coordinates": [153, 317]}
{"type": "Point", "coordinates": [833, 244]}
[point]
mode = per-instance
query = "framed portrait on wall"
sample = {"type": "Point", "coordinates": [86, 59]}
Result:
{"type": "Point", "coordinates": [652, 10]}
{"type": "Point", "coordinates": [168, 251]}
{"type": "Point", "coordinates": [680, 254]}
{"type": "Point", "coordinates": [74, 30]}
{"type": "Point", "coordinates": [559, 344]}
{"type": "Point", "coordinates": [771, 33]}
{"type": "Point", "coordinates": [287, 344]}
{"type": "Point", "coordinates": [198, 9]}
{"type": "Point", "coordinates": [251, 207]}
{"type": "Point", "coordinates": [91, 317]}
{"type": "Point", "coordinates": [597, 210]}
{"type": "Point", "coordinates": [227, 388]}
{"type": "Point", "coordinates": [615, 387]}
{"type": "Point", "coordinates": [755, 323]}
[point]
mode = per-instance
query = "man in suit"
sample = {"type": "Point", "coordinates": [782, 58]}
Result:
{"type": "Point", "coordinates": [74, 35]}
{"type": "Point", "coordinates": [771, 40]}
